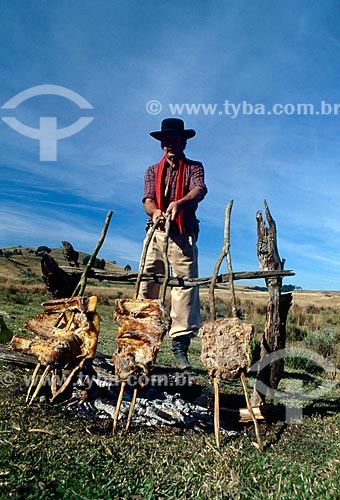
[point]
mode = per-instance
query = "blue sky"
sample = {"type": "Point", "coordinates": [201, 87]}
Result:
{"type": "Point", "coordinates": [119, 56]}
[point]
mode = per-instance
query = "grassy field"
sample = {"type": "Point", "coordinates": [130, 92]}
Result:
{"type": "Point", "coordinates": [45, 454]}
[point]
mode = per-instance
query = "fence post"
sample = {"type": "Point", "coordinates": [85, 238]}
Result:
{"type": "Point", "coordinates": [274, 336]}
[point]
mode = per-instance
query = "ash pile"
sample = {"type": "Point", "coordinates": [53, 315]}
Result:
{"type": "Point", "coordinates": [161, 403]}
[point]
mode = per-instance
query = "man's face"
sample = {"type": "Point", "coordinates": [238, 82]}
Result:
{"type": "Point", "coordinates": [173, 145]}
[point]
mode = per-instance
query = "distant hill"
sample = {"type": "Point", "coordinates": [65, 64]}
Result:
{"type": "Point", "coordinates": [22, 261]}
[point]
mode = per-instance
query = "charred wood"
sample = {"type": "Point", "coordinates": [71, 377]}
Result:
{"type": "Point", "coordinates": [274, 336]}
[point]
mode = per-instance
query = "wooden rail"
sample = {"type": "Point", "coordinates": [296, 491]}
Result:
{"type": "Point", "coordinates": [129, 277]}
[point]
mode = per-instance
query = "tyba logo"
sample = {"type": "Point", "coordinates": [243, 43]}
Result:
{"type": "Point", "coordinates": [296, 396]}
{"type": "Point", "coordinates": [48, 134]}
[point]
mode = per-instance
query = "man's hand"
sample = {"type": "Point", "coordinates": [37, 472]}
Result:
{"type": "Point", "coordinates": [157, 214]}
{"type": "Point", "coordinates": [173, 209]}
{"type": "Point", "coordinates": [194, 196]}
{"type": "Point", "coordinates": [152, 210]}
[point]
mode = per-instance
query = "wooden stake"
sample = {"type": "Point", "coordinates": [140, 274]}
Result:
{"type": "Point", "coordinates": [39, 386]}
{"type": "Point", "coordinates": [143, 256]}
{"type": "Point", "coordinates": [165, 260]}
{"type": "Point", "coordinates": [250, 409]}
{"type": "Point", "coordinates": [119, 402]}
{"type": "Point", "coordinates": [80, 288]}
{"type": "Point", "coordinates": [34, 376]}
{"type": "Point", "coordinates": [224, 252]}
{"type": "Point", "coordinates": [68, 380]}
{"type": "Point", "coordinates": [132, 407]}
{"type": "Point", "coordinates": [217, 410]}
{"type": "Point", "coordinates": [54, 382]}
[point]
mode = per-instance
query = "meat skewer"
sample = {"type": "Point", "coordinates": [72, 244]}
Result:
{"type": "Point", "coordinates": [217, 411]}
{"type": "Point", "coordinates": [226, 342]}
{"type": "Point", "coordinates": [122, 388]}
{"type": "Point", "coordinates": [242, 374]}
{"type": "Point", "coordinates": [74, 340]}
{"type": "Point", "coordinates": [132, 407]}
{"type": "Point", "coordinates": [119, 403]}
{"type": "Point", "coordinates": [142, 327]}
{"type": "Point", "coordinates": [66, 332]}
{"type": "Point", "coordinates": [40, 384]}
{"type": "Point", "coordinates": [34, 375]}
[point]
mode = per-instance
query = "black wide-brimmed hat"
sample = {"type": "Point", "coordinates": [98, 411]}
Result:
{"type": "Point", "coordinates": [173, 125]}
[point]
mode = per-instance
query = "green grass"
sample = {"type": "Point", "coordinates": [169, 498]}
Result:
{"type": "Point", "coordinates": [45, 454]}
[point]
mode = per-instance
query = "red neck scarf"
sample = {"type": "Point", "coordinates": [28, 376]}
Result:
{"type": "Point", "coordinates": [160, 185]}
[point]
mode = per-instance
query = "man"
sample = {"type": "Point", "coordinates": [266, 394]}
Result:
{"type": "Point", "coordinates": [174, 187]}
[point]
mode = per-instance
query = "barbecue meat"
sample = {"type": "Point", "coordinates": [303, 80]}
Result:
{"type": "Point", "coordinates": [142, 327]}
{"type": "Point", "coordinates": [226, 347]}
{"type": "Point", "coordinates": [48, 352]}
{"type": "Point", "coordinates": [76, 335]}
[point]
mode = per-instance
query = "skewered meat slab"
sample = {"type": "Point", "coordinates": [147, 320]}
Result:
{"type": "Point", "coordinates": [226, 342]}
{"type": "Point", "coordinates": [142, 327]}
{"type": "Point", "coordinates": [48, 351]}
{"type": "Point", "coordinates": [75, 336]}
{"type": "Point", "coordinates": [67, 332]}
{"type": "Point", "coordinates": [226, 347]}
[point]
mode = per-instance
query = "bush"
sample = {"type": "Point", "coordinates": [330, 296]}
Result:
{"type": "Point", "coordinates": [301, 363]}
{"type": "Point", "coordinates": [17, 297]}
{"type": "Point", "coordinates": [42, 250]}
{"type": "Point", "coordinates": [324, 341]}
{"type": "Point", "coordinates": [98, 263]}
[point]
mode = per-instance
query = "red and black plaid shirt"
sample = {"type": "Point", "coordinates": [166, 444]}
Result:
{"type": "Point", "coordinates": [194, 176]}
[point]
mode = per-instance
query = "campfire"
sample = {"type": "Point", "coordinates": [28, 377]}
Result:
{"type": "Point", "coordinates": [169, 399]}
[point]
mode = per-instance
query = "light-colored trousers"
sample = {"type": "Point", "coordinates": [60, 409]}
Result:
{"type": "Point", "coordinates": [183, 259]}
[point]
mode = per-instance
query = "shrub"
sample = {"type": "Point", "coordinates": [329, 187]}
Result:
{"type": "Point", "coordinates": [98, 263]}
{"type": "Point", "coordinates": [324, 341]}
{"type": "Point", "coordinates": [42, 250]}
{"type": "Point", "coordinates": [17, 297]}
{"type": "Point", "coordinates": [301, 363]}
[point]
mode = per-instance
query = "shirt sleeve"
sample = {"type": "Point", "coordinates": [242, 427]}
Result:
{"type": "Point", "coordinates": [150, 183]}
{"type": "Point", "coordinates": [197, 177]}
